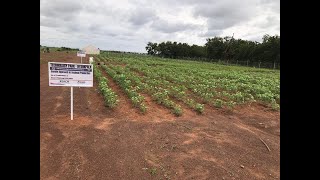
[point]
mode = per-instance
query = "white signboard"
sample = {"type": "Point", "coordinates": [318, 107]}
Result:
{"type": "Point", "coordinates": [81, 54]}
{"type": "Point", "coordinates": [70, 74]}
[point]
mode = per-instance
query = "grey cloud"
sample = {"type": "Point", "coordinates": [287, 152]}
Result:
{"type": "Point", "coordinates": [182, 2]}
{"type": "Point", "coordinates": [60, 9]}
{"type": "Point", "coordinates": [270, 21]}
{"type": "Point", "coordinates": [220, 24]}
{"type": "Point", "coordinates": [101, 31]}
{"type": "Point", "coordinates": [49, 22]}
{"type": "Point", "coordinates": [211, 33]}
{"type": "Point", "coordinates": [127, 38]}
{"type": "Point", "coordinates": [272, 4]}
{"type": "Point", "coordinates": [166, 27]}
{"type": "Point", "coordinates": [224, 14]}
{"type": "Point", "coordinates": [106, 30]}
{"type": "Point", "coordinates": [112, 34]}
{"type": "Point", "coordinates": [60, 24]}
{"type": "Point", "coordinates": [60, 15]}
{"type": "Point", "coordinates": [74, 28]}
{"type": "Point", "coordinates": [141, 16]}
{"type": "Point", "coordinates": [98, 8]}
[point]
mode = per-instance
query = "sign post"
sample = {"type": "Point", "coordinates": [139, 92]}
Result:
{"type": "Point", "coordinates": [81, 54]}
{"type": "Point", "coordinates": [71, 75]}
{"type": "Point", "coordinates": [71, 103]}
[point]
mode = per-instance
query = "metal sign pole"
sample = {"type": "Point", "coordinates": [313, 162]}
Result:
{"type": "Point", "coordinates": [71, 103]}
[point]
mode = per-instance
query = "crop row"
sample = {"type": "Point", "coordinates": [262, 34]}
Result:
{"type": "Point", "coordinates": [159, 95]}
{"type": "Point", "coordinates": [126, 85]}
{"type": "Point", "coordinates": [110, 98]}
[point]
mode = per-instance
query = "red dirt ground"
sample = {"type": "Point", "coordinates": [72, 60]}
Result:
{"type": "Point", "coordinates": [101, 143]}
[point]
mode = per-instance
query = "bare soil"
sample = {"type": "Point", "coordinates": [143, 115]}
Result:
{"type": "Point", "coordinates": [101, 143]}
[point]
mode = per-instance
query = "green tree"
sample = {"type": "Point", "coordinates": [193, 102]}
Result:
{"type": "Point", "coordinates": [215, 47]}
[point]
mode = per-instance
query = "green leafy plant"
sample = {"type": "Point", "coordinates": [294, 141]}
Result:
{"type": "Point", "coordinates": [275, 105]}
{"type": "Point", "coordinates": [199, 108]}
{"type": "Point", "coordinates": [218, 103]}
{"type": "Point", "coordinates": [110, 97]}
{"type": "Point", "coordinates": [177, 111]}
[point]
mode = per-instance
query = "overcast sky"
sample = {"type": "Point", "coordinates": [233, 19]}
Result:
{"type": "Point", "coordinates": [128, 25]}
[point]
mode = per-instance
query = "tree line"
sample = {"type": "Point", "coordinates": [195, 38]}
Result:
{"type": "Point", "coordinates": [67, 49]}
{"type": "Point", "coordinates": [221, 48]}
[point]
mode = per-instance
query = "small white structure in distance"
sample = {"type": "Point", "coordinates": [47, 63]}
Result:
{"type": "Point", "coordinates": [91, 50]}
{"type": "Point", "coordinates": [90, 60]}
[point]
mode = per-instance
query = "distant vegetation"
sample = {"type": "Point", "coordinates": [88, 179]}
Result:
{"type": "Point", "coordinates": [67, 49]}
{"type": "Point", "coordinates": [53, 49]}
{"type": "Point", "coordinates": [44, 49]}
{"type": "Point", "coordinates": [218, 48]}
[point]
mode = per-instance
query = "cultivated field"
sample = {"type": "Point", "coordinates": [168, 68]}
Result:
{"type": "Point", "coordinates": [193, 84]}
{"type": "Point", "coordinates": [154, 118]}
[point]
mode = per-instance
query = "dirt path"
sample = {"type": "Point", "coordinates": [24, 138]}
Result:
{"type": "Point", "coordinates": [101, 143]}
